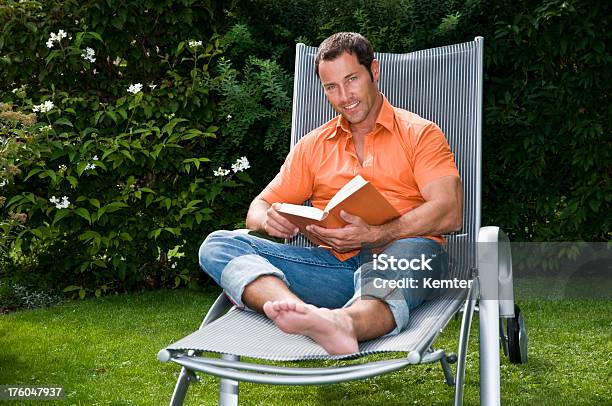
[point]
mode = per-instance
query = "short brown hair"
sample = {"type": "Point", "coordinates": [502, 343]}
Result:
{"type": "Point", "coordinates": [351, 42]}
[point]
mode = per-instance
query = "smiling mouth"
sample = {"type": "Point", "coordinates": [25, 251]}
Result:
{"type": "Point", "coordinates": [351, 106]}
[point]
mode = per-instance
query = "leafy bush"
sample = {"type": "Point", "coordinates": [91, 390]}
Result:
{"type": "Point", "coordinates": [547, 109]}
{"type": "Point", "coordinates": [102, 181]}
{"type": "Point", "coordinates": [391, 25]}
{"type": "Point", "coordinates": [14, 296]}
{"type": "Point", "coordinates": [116, 144]}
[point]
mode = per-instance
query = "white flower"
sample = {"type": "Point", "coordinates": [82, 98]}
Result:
{"type": "Point", "coordinates": [193, 44]}
{"type": "Point", "coordinates": [43, 107]}
{"type": "Point", "coordinates": [89, 55]}
{"type": "Point", "coordinates": [241, 164]}
{"type": "Point", "coordinates": [173, 265]}
{"type": "Point", "coordinates": [91, 166]}
{"type": "Point", "coordinates": [61, 34]}
{"type": "Point", "coordinates": [221, 172]}
{"type": "Point", "coordinates": [229, 117]}
{"type": "Point", "coordinates": [62, 168]}
{"type": "Point", "coordinates": [152, 86]}
{"type": "Point", "coordinates": [3, 183]}
{"type": "Point", "coordinates": [135, 88]}
{"type": "Point", "coordinates": [15, 90]}
{"type": "Point", "coordinates": [47, 105]}
{"type": "Point", "coordinates": [64, 203]}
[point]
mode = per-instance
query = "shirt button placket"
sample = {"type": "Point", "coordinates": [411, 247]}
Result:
{"type": "Point", "coordinates": [368, 161]}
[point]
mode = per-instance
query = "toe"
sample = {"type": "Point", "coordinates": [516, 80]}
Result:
{"type": "Point", "coordinates": [302, 308]}
{"type": "Point", "coordinates": [270, 310]}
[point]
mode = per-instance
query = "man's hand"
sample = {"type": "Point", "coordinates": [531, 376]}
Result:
{"type": "Point", "coordinates": [264, 217]}
{"type": "Point", "coordinates": [352, 236]}
{"type": "Point", "coordinates": [275, 225]}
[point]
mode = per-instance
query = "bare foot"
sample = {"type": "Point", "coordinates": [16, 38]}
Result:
{"type": "Point", "coordinates": [331, 329]}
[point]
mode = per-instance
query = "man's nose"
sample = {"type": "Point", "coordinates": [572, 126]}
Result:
{"type": "Point", "coordinates": [344, 94]}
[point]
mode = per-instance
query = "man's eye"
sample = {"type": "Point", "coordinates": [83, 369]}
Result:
{"type": "Point", "coordinates": [352, 78]}
{"type": "Point", "coordinates": [328, 88]}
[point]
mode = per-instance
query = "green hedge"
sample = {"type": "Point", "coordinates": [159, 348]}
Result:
{"type": "Point", "coordinates": [119, 125]}
{"type": "Point", "coordinates": [547, 118]}
{"type": "Point", "coordinates": [138, 168]}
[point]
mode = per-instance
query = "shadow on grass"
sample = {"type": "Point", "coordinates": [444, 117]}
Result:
{"type": "Point", "coordinates": [11, 361]}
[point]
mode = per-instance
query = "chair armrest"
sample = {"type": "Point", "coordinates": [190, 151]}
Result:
{"type": "Point", "coordinates": [218, 309]}
{"type": "Point", "coordinates": [495, 269]}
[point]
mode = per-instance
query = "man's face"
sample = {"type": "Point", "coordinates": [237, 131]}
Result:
{"type": "Point", "coordinates": [349, 88]}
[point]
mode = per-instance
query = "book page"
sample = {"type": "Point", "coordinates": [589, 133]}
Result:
{"type": "Point", "coordinates": [345, 191]}
{"type": "Point", "coordinates": [303, 211]}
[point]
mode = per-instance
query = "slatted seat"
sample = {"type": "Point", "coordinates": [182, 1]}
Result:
{"type": "Point", "coordinates": [249, 334]}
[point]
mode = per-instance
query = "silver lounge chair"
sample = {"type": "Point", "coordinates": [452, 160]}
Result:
{"type": "Point", "coordinates": [443, 85]}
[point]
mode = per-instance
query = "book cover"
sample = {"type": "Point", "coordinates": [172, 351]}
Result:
{"type": "Point", "coordinates": [358, 197]}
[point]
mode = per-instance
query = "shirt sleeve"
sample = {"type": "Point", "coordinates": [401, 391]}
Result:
{"type": "Point", "coordinates": [294, 182]}
{"type": "Point", "coordinates": [433, 157]}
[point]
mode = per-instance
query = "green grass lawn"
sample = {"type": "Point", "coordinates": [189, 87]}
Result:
{"type": "Point", "coordinates": [103, 351]}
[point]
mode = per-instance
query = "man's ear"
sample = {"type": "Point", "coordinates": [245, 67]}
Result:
{"type": "Point", "coordinates": [375, 68]}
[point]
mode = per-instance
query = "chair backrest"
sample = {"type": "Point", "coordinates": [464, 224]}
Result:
{"type": "Point", "coordinates": [443, 85]}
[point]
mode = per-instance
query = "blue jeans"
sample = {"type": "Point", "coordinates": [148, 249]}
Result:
{"type": "Point", "coordinates": [234, 259]}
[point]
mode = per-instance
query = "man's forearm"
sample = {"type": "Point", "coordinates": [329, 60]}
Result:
{"type": "Point", "coordinates": [263, 217]}
{"type": "Point", "coordinates": [441, 213]}
{"type": "Point", "coordinates": [431, 218]}
{"type": "Point", "coordinates": [257, 214]}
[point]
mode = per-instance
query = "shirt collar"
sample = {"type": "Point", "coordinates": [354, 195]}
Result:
{"type": "Point", "coordinates": [385, 118]}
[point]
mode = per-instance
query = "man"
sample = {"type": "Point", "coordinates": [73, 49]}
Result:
{"type": "Point", "coordinates": [336, 296]}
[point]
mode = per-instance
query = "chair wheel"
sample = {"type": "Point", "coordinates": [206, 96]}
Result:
{"type": "Point", "coordinates": [517, 338]}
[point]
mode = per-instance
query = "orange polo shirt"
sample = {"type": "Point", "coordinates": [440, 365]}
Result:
{"type": "Point", "coordinates": [402, 154]}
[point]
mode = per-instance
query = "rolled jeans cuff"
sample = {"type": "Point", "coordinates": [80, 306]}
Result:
{"type": "Point", "coordinates": [241, 271]}
{"type": "Point", "coordinates": [394, 299]}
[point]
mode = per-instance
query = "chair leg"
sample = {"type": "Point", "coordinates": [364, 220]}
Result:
{"type": "Point", "coordinates": [182, 384]}
{"type": "Point", "coordinates": [489, 353]}
{"type": "Point", "coordinates": [448, 373]}
{"type": "Point", "coordinates": [228, 388]}
{"type": "Point", "coordinates": [493, 257]}
{"type": "Point", "coordinates": [466, 324]}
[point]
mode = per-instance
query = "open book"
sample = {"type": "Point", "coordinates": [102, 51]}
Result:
{"type": "Point", "coordinates": [358, 197]}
